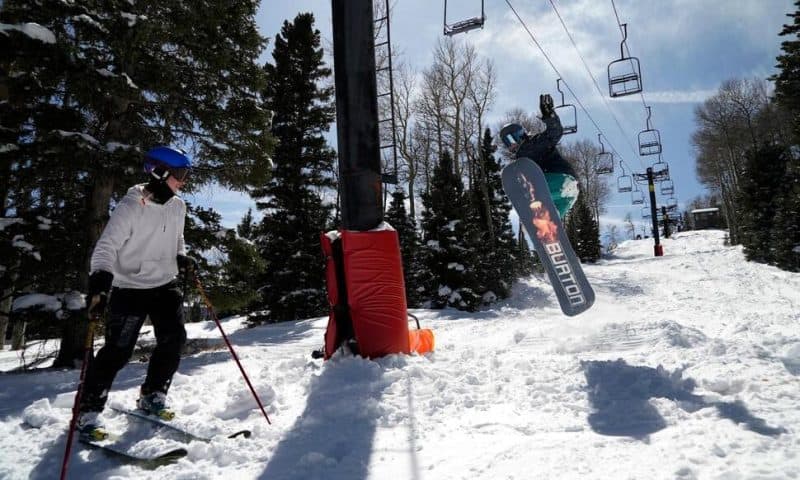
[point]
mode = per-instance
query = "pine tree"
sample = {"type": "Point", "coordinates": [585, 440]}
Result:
{"type": "Point", "coordinates": [444, 233]}
{"type": "Point", "coordinates": [762, 179]}
{"type": "Point", "coordinates": [234, 291]}
{"type": "Point", "coordinates": [787, 81]}
{"type": "Point", "coordinates": [785, 235]}
{"type": "Point", "coordinates": [92, 86]}
{"type": "Point", "coordinates": [527, 262]}
{"type": "Point", "coordinates": [496, 247]}
{"type": "Point", "coordinates": [583, 231]}
{"type": "Point", "coordinates": [246, 228]}
{"type": "Point", "coordinates": [295, 214]}
{"type": "Point", "coordinates": [786, 228]}
{"type": "Point", "coordinates": [414, 272]}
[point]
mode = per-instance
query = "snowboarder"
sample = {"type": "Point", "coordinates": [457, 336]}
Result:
{"type": "Point", "coordinates": [541, 148]}
{"type": "Point", "coordinates": [140, 254]}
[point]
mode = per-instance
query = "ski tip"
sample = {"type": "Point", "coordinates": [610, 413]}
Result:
{"type": "Point", "coordinates": [174, 454]}
{"type": "Point", "coordinates": [241, 433]}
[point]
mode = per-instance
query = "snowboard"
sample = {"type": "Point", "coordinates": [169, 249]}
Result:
{"type": "Point", "coordinates": [526, 187]}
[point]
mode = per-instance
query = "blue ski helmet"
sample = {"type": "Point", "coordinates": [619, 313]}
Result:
{"type": "Point", "coordinates": [162, 162]}
{"type": "Point", "coordinates": [512, 135]}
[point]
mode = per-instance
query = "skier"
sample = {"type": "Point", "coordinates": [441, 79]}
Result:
{"type": "Point", "coordinates": [140, 254]}
{"type": "Point", "coordinates": [541, 148]}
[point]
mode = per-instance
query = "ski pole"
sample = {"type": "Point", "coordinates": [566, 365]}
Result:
{"type": "Point", "coordinates": [87, 346]}
{"type": "Point", "coordinates": [230, 347]}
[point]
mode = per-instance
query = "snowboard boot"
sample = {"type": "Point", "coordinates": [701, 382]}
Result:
{"type": "Point", "coordinates": [90, 428]}
{"type": "Point", "coordinates": [155, 404]}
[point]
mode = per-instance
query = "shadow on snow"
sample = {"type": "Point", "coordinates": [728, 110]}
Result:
{"type": "Point", "coordinates": [619, 394]}
{"type": "Point", "coordinates": [333, 436]}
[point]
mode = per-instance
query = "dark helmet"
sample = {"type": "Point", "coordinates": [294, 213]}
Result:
{"type": "Point", "coordinates": [163, 162]}
{"type": "Point", "coordinates": [512, 135]}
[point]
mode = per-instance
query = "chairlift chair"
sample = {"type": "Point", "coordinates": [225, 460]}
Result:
{"type": "Point", "coordinates": [624, 75]}
{"type": "Point", "coordinates": [637, 197]}
{"type": "Point", "coordinates": [649, 139]}
{"type": "Point", "coordinates": [624, 182]}
{"type": "Point", "coordinates": [605, 160]}
{"type": "Point", "coordinates": [672, 202]}
{"type": "Point", "coordinates": [462, 26]}
{"type": "Point", "coordinates": [566, 113]}
{"type": "Point", "coordinates": [646, 212]}
{"type": "Point", "coordinates": [660, 170]}
{"type": "Point", "coordinates": [667, 187]}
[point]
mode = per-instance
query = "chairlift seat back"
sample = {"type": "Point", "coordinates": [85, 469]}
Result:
{"type": "Point", "coordinates": [624, 77]}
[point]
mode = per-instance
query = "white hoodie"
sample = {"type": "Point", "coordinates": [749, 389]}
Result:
{"type": "Point", "coordinates": [141, 241]}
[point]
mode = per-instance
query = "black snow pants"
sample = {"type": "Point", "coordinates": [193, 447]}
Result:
{"type": "Point", "coordinates": [128, 309]}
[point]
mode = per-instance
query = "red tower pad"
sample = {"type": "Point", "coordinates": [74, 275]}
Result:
{"type": "Point", "coordinates": [331, 342]}
{"type": "Point", "coordinates": [373, 271]}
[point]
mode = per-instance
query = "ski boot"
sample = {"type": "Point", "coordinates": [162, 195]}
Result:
{"type": "Point", "coordinates": [155, 404]}
{"type": "Point", "coordinates": [90, 428]}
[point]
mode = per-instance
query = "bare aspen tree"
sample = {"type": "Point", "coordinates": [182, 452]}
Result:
{"type": "Point", "coordinates": [728, 125]}
{"type": "Point", "coordinates": [425, 151]}
{"type": "Point", "coordinates": [481, 97]}
{"type": "Point", "coordinates": [411, 151]}
{"type": "Point", "coordinates": [456, 64]}
{"type": "Point", "coordinates": [583, 157]}
{"type": "Point", "coordinates": [431, 103]}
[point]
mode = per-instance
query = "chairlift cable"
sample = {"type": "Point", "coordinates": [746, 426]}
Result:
{"type": "Point", "coordinates": [555, 69]}
{"type": "Point", "coordinates": [619, 25]}
{"type": "Point", "coordinates": [627, 48]}
{"type": "Point", "coordinates": [594, 81]}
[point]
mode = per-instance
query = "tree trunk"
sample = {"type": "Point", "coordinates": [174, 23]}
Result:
{"type": "Point", "coordinates": [75, 329]}
{"type": "Point", "coordinates": [411, 208]}
{"type": "Point", "coordinates": [18, 334]}
{"type": "Point", "coordinates": [5, 309]}
{"type": "Point", "coordinates": [483, 183]}
{"type": "Point", "coordinates": [7, 293]}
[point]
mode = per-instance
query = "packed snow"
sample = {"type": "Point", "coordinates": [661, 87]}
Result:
{"type": "Point", "coordinates": [687, 367]}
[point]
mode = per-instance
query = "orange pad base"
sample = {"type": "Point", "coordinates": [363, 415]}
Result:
{"type": "Point", "coordinates": [421, 341]}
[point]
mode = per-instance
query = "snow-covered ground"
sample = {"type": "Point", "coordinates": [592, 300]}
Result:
{"type": "Point", "coordinates": [688, 366]}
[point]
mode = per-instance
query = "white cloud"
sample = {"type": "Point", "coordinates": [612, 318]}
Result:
{"type": "Point", "coordinates": [672, 96]}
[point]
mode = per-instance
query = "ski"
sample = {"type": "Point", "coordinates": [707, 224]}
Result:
{"type": "Point", "coordinates": [147, 461]}
{"type": "Point", "coordinates": [526, 187]}
{"type": "Point", "coordinates": [163, 423]}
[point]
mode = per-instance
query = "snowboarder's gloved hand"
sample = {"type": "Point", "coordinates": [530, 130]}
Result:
{"type": "Point", "coordinates": [187, 265]}
{"type": "Point", "coordinates": [546, 106]}
{"type": "Point", "coordinates": [99, 288]}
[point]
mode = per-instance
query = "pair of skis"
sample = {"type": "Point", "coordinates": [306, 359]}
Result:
{"type": "Point", "coordinates": [154, 460]}
{"type": "Point", "coordinates": [526, 187]}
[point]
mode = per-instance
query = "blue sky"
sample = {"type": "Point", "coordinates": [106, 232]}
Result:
{"type": "Point", "coordinates": [687, 48]}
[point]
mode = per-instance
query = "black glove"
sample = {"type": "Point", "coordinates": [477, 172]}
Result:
{"type": "Point", "coordinates": [187, 265]}
{"type": "Point", "coordinates": [546, 106]}
{"type": "Point", "coordinates": [99, 288]}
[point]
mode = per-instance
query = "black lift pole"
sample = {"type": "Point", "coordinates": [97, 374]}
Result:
{"type": "Point", "coordinates": [658, 249]}
{"type": "Point", "coordinates": [357, 114]}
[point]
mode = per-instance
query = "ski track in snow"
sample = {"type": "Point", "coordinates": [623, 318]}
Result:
{"type": "Point", "coordinates": [686, 368]}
